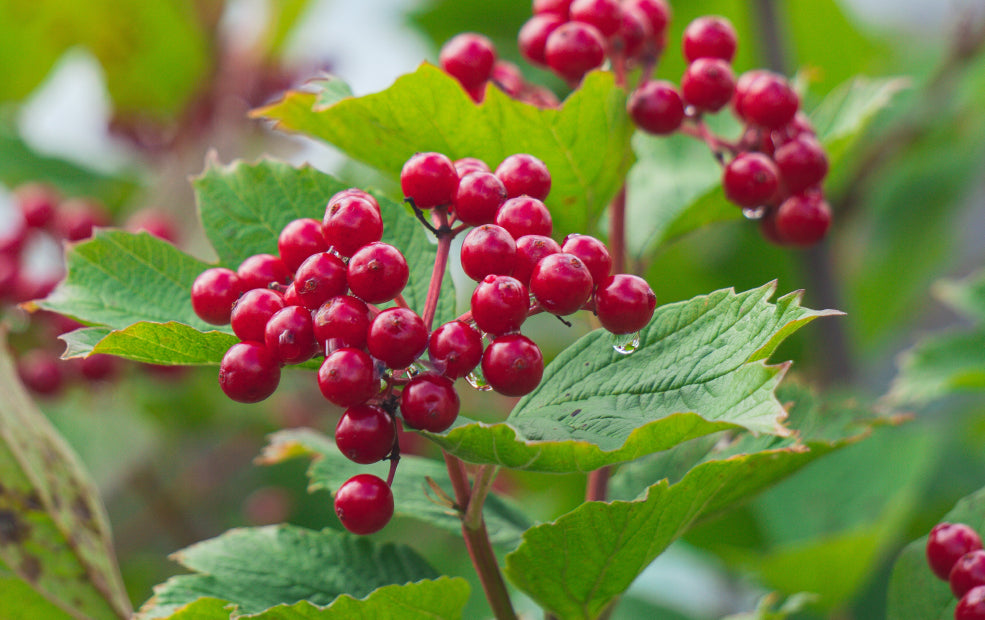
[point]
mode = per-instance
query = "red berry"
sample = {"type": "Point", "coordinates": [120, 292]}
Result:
{"type": "Point", "coordinates": [291, 296]}
{"type": "Point", "coordinates": [968, 572]}
{"type": "Point", "coordinates": [561, 283]}
{"type": "Point", "coordinates": [365, 434]}
{"type": "Point", "coordinates": [656, 107]}
{"type": "Point", "coordinates": [397, 337]}
{"type": "Point", "coordinates": [41, 372]}
{"type": "Point", "coordinates": [347, 377]}
{"type": "Point", "coordinates": [466, 165]}
{"type": "Point", "coordinates": [750, 179]}
{"type": "Point", "coordinates": [252, 311]}
{"type": "Point", "coordinates": [377, 273]}
{"type": "Point", "coordinates": [9, 276]}
{"type": "Point", "coordinates": [213, 294]}
{"type": "Point", "coordinates": [657, 12]}
{"type": "Point", "coordinates": [299, 240]}
{"type": "Point", "coordinates": [289, 335]}
{"type": "Point", "coordinates": [429, 403]}
{"type": "Point", "coordinates": [802, 163]}
{"type": "Point", "coordinates": [634, 32]}
{"type": "Point", "coordinates": [364, 504]}
{"type": "Point", "coordinates": [523, 174]}
{"type": "Point", "coordinates": [742, 85]}
{"type": "Point", "coordinates": [707, 84]}
{"type": "Point", "coordinates": [946, 544]}
{"type": "Point", "coordinates": [529, 250]}
{"type": "Point", "coordinates": [321, 277]}
{"type": "Point", "coordinates": [488, 249]}
{"type": "Point", "coordinates": [98, 367]}
{"type": "Point", "coordinates": [469, 58]}
{"type": "Point", "coordinates": [343, 319]}
{"type": "Point", "coordinates": [533, 36]}
{"type": "Point", "coordinates": [248, 372]}
{"type": "Point", "coordinates": [624, 303]}
{"type": "Point", "coordinates": [261, 270]}
{"type": "Point", "coordinates": [574, 49]}
{"type": "Point", "coordinates": [605, 15]}
{"type": "Point", "coordinates": [352, 221]}
{"type": "Point", "coordinates": [500, 304]}
{"type": "Point", "coordinates": [553, 7]}
{"type": "Point", "coordinates": [524, 215]}
{"type": "Point", "coordinates": [972, 605]}
{"type": "Point", "coordinates": [479, 197]}
{"type": "Point", "coordinates": [592, 252]}
{"type": "Point", "coordinates": [156, 222]}
{"type": "Point", "coordinates": [769, 101]}
{"type": "Point", "coordinates": [75, 219]}
{"type": "Point", "coordinates": [803, 219]}
{"type": "Point", "coordinates": [455, 348]}
{"type": "Point", "coordinates": [709, 37]}
{"type": "Point", "coordinates": [37, 203]}
{"type": "Point", "coordinates": [429, 179]}
{"type": "Point", "coordinates": [513, 365]}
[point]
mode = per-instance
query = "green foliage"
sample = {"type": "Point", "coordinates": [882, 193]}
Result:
{"type": "Point", "coordinates": [770, 608]}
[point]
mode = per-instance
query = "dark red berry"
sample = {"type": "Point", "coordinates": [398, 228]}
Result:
{"type": "Point", "coordinates": [533, 36]}
{"type": "Point", "coordinates": [488, 249]}
{"type": "Point", "coordinates": [657, 12]}
{"type": "Point", "coordinates": [354, 192]}
{"type": "Point", "coordinates": [553, 7]}
{"type": "Point", "coordinates": [98, 367]}
{"type": "Point", "coordinates": [343, 319]}
{"type": "Point", "coordinates": [455, 348]}
{"type": "Point", "coordinates": [429, 179]}
{"type": "Point", "coordinates": [500, 304]}
{"type": "Point", "coordinates": [291, 296]}
{"type": "Point", "coordinates": [707, 84]}
{"type": "Point", "coordinates": [750, 179]}
{"type": "Point", "coordinates": [561, 283]}
{"type": "Point", "coordinates": [479, 197]}
{"type": "Point", "coordinates": [946, 544]}
{"type": "Point", "coordinates": [592, 252]}
{"type": "Point", "coordinates": [513, 365]}
{"type": "Point", "coordinates": [252, 311]}
{"type": "Point", "coordinates": [397, 337]}
{"type": "Point", "coordinates": [248, 373]}
{"type": "Point", "coordinates": [299, 240]}
{"type": "Point", "coordinates": [529, 250]}
{"type": "Point", "coordinates": [524, 215]}
{"type": "Point", "coordinates": [466, 165]}
{"type": "Point", "coordinates": [803, 219]}
{"type": "Point", "coordinates": [605, 15]}
{"type": "Point", "coordinates": [469, 58]}
{"type": "Point", "coordinates": [377, 273]}
{"type": "Point", "coordinates": [769, 101]}
{"type": "Point", "coordinates": [802, 163]}
{"type": "Point", "coordinates": [76, 218]}
{"type": "Point", "coordinates": [709, 37]}
{"type": "Point", "coordinates": [156, 222]}
{"type": "Point", "coordinates": [289, 335]}
{"type": "Point", "coordinates": [352, 221]}
{"type": "Point", "coordinates": [41, 372]}
{"type": "Point", "coordinates": [656, 107]}
{"type": "Point", "coordinates": [972, 605]}
{"type": "Point", "coordinates": [634, 32]}
{"type": "Point", "coordinates": [967, 573]}
{"type": "Point", "coordinates": [9, 276]}
{"type": "Point", "coordinates": [573, 49]}
{"type": "Point", "coordinates": [365, 434]}
{"type": "Point", "coordinates": [319, 278]}
{"type": "Point", "coordinates": [37, 203]}
{"type": "Point", "coordinates": [524, 175]}
{"type": "Point", "coordinates": [348, 377]}
{"type": "Point", "coordinates": [429, 403]}
{"type": "Point", "coordinates": [364, 504]}
{"type": "Point", "coordinates": [213, 294]}
{"type": "Point", "coordinates": [262, 270]}
{"type": "Point", "coordinates": [624, 303]}
{"type": "Point", "coordinates": [742, 85]}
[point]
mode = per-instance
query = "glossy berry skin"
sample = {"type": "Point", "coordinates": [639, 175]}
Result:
{"type": "Point", "coordinates": [972, 605]}
{"type": "Point", "coordinates": [364, 504]}
{"type": "Point", "coordinates": [429, 179]}
{"type": "Point", "coordinates": [289, 335]}
{"type": "Point", "coordinates": [365, 434]}
{"type": "Point", "coordinates": [214, 292]}
{"type": "Point", "coordinates": [592, 252]}
{"type": "Point", "coordinates": [967, 573]}
{"type": "Point", "coordinates": [946, 544]}
{"type": "Point", "coordinates": [709, 37]}
{"type": "Point", "coordinates": [624, 303]}
{"type": "Point", "coordinates": [633, 34]}
{"type": "Point", "coordinates": [524, 175]}
{"type": "Point", "coordinates": [803, 219]}
{"type": "Point", "coordinates": [742, 86]}
{"type": "Point", "coordinates": [574, 49]}
{"type": "Point", "coordinates": [456, 348]}
{"type": "Point", "coordinates": [377, 273]}
{"type": "Point", "coordinates": [561, 283]}
{"type": "Point", "coordinates": [354, 192]}
{"type": "Point", "coordinates": [469, 58]}
{"type": "Point", "coordinates": [344, 320]}
{"type": "Point", "coordinates": [291, 296]}
{"type": "Point", "coordinates": [466, 165]}
{"type": "Point", "coordinates": [560, 8]}
{"type": "Point", "coordinates": [262, 270]}
{"type": "Point", "coordinates": [300, 239]}
{"type": "Point", "coordinates": [488, 249]}
{"type": "Point", "coordinates": [529, 250]}
{"type": "Point", "coordinates": [657, 12]}
{"type": "Point", "coordinates": [513, 365]}
{"type": "Point", "coordinates": [347, 377]}
{"type": "Point", "coordinates": [396, 337]}
{"type": "Point", "coordinates": [707, 84]}
{"type": "Point", "coordinates": [500, 304]}
{"type": "Point", "coordinates": [750, 179]}
{"type": "Point", "coordinates": [252, 311]}
{"type": "Point", "coordinates": [525, 215]}
{"type": "Point", "coordinates": [769, 101]}
{"type": "Point", "coordinates": [429, 403]}
{"type": "Point", "coordinates": [802, 163]}
{"type": "Point", "coordinates": [248, 372]}
{"type": "Point", "coordinates": [351, 222]}
{"type": "Point", "coordinates": [319, 278]}
{"type": "Point", "coordinates": [479, 197]}
{"type": "Point", "coordinates": [603, 14]}
{"type": "Point", "coordinates": [656, 107]}
{"type": "Point", "coordinates": [532, 37]}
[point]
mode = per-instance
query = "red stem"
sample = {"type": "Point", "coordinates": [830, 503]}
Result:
{"type": "Point", "coordinates": [717, 144]}
{"type": "Point", "coordinates": [440, 264]}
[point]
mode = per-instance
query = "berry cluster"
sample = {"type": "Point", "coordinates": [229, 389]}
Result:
{"type": "Point", "coordinates": [954, 552]}
{"type": "Point", "coordinates": [777, 165]}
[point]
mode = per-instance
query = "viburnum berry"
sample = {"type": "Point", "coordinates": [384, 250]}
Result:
{"type": "Point", "coordinates": [466, 165]}
{"type": "Point", "coordinates": [37, 203]}
{"type": "Point", "coordinates": [624, 303]}
{"type": "Point", "coordinates": [76, 218]}
{"type": "Point", "coordinates": [946, 543]}
{"type": "Point", "coordinates": [605, 15]}
{"type": "Point", "coordinates": [365, 434]}
{"type": "Point", "coordinates": [707, 84]}
{"type": "Point", "coordinates": [524, 215]}
{"type": "Point", "coordinates": [343, 319]}
{"type": "Point", "coordinates": [252, 311]}
{"type": "Point", "coordinates": [592, 252]}
{"type": "Point", "coordinates": [154, 221]}
{"type": "Point", "coordinates": [429, 403]}
{"type": "Point", "coordinates": [300, 239]}
{"type": "Point", "coordinates": [657, 12]}
{"type": "Point", "coordinates": [396, 337]}
{"type": "Point", "coordinates": [499, 304]}
{"type": "Point", "coordinates": [802, 163]}
{"type": "Point", "coordinates": [634, 32]}
{"type": "Point", "coordinates": [742, 85]}
{"type": "Point", "coordinates": [348, 377]}
{"type": "Point", "coordinates": [561, 283]}
{"type": "Point", "coordinates": [750, 179]}
{"type": "Point", "coordinates": [352, 221]}
{"type": "Point", "coordinates": [972, 605]}
{"type": "Point", "coordinates": [41, 372]}
{"type": "Point", "coordinates": [532, 37]}
{"type": "Point", "coordinates": [513, 365]}
{"type": "Point", "coordinates": [364, 504]}
{"type": "Point", "coordinates": [319, 278]}
{"type": "Point", "coordinates": [13, 234]}
{"type": "Point", "coordinates": [968, 572]}
{"type": "Point", "coordinates": [429, 179]}
{"type": "Point", "coordinates": [524, 175]}
{"type": "Point", "coordinates": [291, 296]}
{"type": "Point", "coordinates": [529, 250]}
{"type": "Point", "coordinates": [214, 292]}
{"type": "Point", "coordinates": [262, 270]}
{"type": "Point", "coordinates": [656, 107]}
{"type": "Point", "coordinates": [709, 37]}
{"type": "Point", "coordinates": [289, 335]}
{"type": "Point", "coordinates": [769, 101]}
{"type": "Point", "coordinates": [456, 348]}
{"type": "Point", "coordinates": [488, 249]}
{"type": "Point", "coordinates": [377, 273]}
{"type": "Point", "coordinates": [469, 58]}
{"type": "Point", "coordinates": [803, 219]}
{"type": "Point", "coordinates": [10, 274]}
{"type": "Point", "coordinates": [573, 49]}
{"type": "Point", "coordinates": [479, 197]}
{"type": "Point", "coordinates": [98, 367]}
{"type": "Point", "coordinates": [248, 372]}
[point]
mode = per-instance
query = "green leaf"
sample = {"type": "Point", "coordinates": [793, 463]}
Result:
{"type": "Point", "coordinates": [700, 368]}
{"type": "Point", "coordinates": [21, 602]}
{"type": "Point", "coordinates": [915, 593]}
{"type": "Point", "coordinates": [287, 13]}
{"type": "Point", "coordinates": [258, 568]}
{"type": "Point", "coordinates": [53, 529]}
{"type": "Point", "coordinates": [585, 144]}
{"type": "Point", "coordinates": [169, 344]}
{"type": "Point", "coordinates": [768, 609]}
{"type": "Point", "coordinates": [966, 296]}
{"type": "Point", "coordinates": [504, 521]}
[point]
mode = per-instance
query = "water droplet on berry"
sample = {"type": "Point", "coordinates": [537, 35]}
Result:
{"type": "Point", "coordinates": [628, 347]}
{"type": "Point", "coordinates": [477, 381]}
{"type": "Point", "coordinates": [754, 213]}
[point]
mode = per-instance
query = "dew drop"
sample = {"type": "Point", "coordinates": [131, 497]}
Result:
{"type": "Point", "coordinates": [754, 213]}
{"type": "Point", "coordinates": [629, 346]}
{"type": "Point", "coordinates": [477, 381]}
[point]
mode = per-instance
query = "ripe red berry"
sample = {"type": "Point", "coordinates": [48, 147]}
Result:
{"type": "Point", "coordinates": [972, 605]}
{"type": "Point", "coordinates": [455, 348]}
{"type": "Point", "coordinates": [37, 203]}
{"type": "Point", "coordinates": [319, 278]}
{"type": "Point", "coordinates": [529, 250]}
{"type": "Point", "coordinates": [968, 572]}
{"type": "Point", "coordinates": [803, 219]}
{"type": "Point", "coordinates": [802, 163]}
{"type": "Point", "coordinates": [396, 337]}
{"type": "Point", "coordinates": [709, 37]}
{"type": "Point", "coordinates": [262, 270]}
{"type": "Point", "coordinates": [634, 32]}
{"type": "Point", "coordinates": [592, 252]}
{"type": "Point", "coordinates": [513, 365]}
{"type": "Point", "coordinates": [500, 304]}
{"type": "Point", "coordinates": [291, 296]}
{"type": "Point", "coordinates": [98, 367]}
{"type": "Point", "coordinates": [156, 222]}
{"type": "Point", "coordinates": [365, 434]}
{"type": "Point", "coordinates": [523, 174]}
{"type": "Point", "coordinates": [13, 234]}
{"type": "Point", "coordinates": [344, 320]}
{"type": "Point", "coordinates": [252, 311]}
{"type": "Point", "coordinates": [469, 58]}
{"type": "Point", "coordinates": [488, 249]}
{"type": "Point", "coordinates": [603, 14]}
{"type": "Point", "coordinates": [41, 372]}
{"type": "Point", "coordinates": [429, 179]}
{"type": "Point", "coordinates": [624, 303]}
{"type": "Point", "coordinates": [377, 273]}
{"type": "Point", "coordinates": [742, 85]}
{"type": "Point", "coordinates": [364, 504]}
{"type": "Point", "coordinates": [657, 12]}
{"type": "Point", "coordinates": [289, 335]}
{"type": "Point", "coordinates": [348, 377]}
{"type": "Point", "coordinates": [574, 49]}
{"type": "Point", "coordinates": [352, 221]}
{"type": "Point", "coordinates": [300, 239]}
{"type": "Point", "coordinates": [429, 403]}
{"type": "Point", "coordinates": [533, 36]}
{"type": "Point", "coordinates": [561, 283]}
{"type": "Point", "coordinates": [76, 218]}
{"type": "Point", "coordinates": [750, 179]}
{"type": "Point", "coordinates": [524, 215]}
{"type": "Point", "coordinates": [769, 101]}
{"type": "Point", "coordinates": [213, 294]}
{"type": "Point", "coordinates": [554, 7]}
{"type": "Point", "coordinates": [656, 107]}
{"type": "Point", "coordinates": [707, 84]}
{"type": "Point", "coordinates": [946, 543]}
{"type": "Point", "coordinates": [479, 197]}
{"type": "Point", "coordinates": [248, 372]}
{"type": "Point", "coordinates": [466, 165]}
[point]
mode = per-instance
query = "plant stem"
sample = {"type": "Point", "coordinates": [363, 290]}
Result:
{"type": "Point", "coordinates": [440, 264]}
